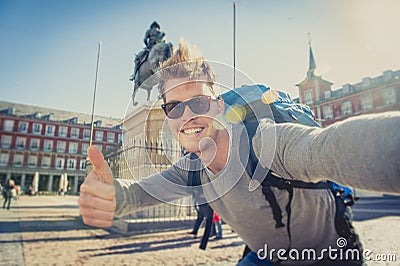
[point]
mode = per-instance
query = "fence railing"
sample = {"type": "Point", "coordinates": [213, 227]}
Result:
{"type": "Point", "coordinates": [139, 159]}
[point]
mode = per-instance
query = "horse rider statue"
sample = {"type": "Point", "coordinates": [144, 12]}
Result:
{"type": "Point", "coordinates": [152, 36]}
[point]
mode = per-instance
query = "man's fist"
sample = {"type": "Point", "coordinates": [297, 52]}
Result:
{"type": "Point", "coordinates": [97, 195]}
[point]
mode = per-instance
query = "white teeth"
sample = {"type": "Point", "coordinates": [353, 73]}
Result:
{"type": "Point", "coordinates": [191, 131]}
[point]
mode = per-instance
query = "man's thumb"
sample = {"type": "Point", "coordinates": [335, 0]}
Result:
{"type": "Point", "coordinates": [100, 166]}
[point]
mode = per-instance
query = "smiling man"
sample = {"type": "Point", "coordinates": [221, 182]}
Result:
{"type": "Point", "coordinates": [195, 127]}
{"type": "Point", "coordinates": [362, 152]}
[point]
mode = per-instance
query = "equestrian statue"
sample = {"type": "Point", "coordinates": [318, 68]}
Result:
{"type": "Point", "coordinates": [148, 60]}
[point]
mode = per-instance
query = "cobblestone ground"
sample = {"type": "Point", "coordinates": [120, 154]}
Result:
{"type": "Point", "coordinates": [48, 231]}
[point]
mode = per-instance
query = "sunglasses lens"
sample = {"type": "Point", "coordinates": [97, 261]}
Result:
{"type": "Point", "coordinates": [200, 105]}
{"type": "Point", "coordinates": [174, 110]}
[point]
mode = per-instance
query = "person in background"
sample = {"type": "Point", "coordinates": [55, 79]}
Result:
{"type": "Point", "coordinates": [216, 229]}
{"type": "Point", "coordinates": [8, 193]}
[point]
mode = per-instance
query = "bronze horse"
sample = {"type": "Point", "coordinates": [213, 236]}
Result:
{"type": "Point", "coordinates": [144, 77]}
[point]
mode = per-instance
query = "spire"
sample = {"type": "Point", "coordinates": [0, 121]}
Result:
{"type": "Point", "coordinates": [312, 66]}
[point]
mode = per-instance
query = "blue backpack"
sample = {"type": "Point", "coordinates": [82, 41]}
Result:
{"type": "Point", "coordinates": [259, 101]}
{"type": "Point", "coordinates": [248, 104]}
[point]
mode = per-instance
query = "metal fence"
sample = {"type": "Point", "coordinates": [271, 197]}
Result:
{"type": "Point", "coordinates": [139, 159]}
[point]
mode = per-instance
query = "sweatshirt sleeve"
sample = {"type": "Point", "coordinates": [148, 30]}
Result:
{"type": "Point", "coordinates": [361, 152]}
{"type": "Point", "coordinates": [166, 186]}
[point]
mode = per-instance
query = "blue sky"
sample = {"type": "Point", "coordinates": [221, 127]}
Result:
{"type": "Point", "coordinates": [48, 49]}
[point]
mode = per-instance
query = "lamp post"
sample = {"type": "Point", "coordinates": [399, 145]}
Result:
{"type": "Point", "coordinates": [94, 92]}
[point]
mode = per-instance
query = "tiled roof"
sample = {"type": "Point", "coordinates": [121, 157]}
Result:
{"type": "Point", "coordinates": [44, 113]}
{"type": "Point", "coordinates": [372, 83]}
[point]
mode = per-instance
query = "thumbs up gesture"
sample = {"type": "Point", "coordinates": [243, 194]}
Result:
{"type": "Point", "coordinates": [97, 194]}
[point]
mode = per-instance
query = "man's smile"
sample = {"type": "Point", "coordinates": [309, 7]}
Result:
{"type": "Point", "coordinates": [192, 131]}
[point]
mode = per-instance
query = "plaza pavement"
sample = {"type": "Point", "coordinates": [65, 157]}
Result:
{"type": "Point", "coordinates": [47, 230]}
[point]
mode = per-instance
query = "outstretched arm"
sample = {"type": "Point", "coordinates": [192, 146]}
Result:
{"type": "Point", "coordinates": [361, 152]}
{"type": "Point", "coordinates": [163, 187]}
{"type": "Point", "coordinates": [101, 197]}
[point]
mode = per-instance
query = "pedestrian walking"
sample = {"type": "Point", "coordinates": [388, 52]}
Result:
{"type": "Point", "coordinates": [216, 229]}
{"type": "Point", "coordinates": [204, 213]}
{"type": "Point", "coordinates": [8, 193]}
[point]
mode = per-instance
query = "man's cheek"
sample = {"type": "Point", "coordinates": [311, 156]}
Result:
{"type": "Point", "coordinates": [173, 128]}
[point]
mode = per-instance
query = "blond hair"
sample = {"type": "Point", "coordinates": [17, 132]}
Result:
{"type": "Point", "coordinates": [186, 62]}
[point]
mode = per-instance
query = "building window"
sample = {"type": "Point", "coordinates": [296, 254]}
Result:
{"type": "Point", "coordinates": [347, 88]}
{"type": "Point", "coordinates": [61, 146]}
{"type": "Point", "coordinates": [308, 97]}
{"type": "Point", "coordinates": [21, 143]}
{"type": "Point", "coordinates": [109, 149]}
{"type": "Point", "coordinates": [8, 125]}
{"type": "Point", "coordinates": [50, 129]}
{"type": "Point", "coordinates": [327, 94]}
{"type": "Point", "coordinates": [388, 96]}
{"type": "Point", "coordinates": [22, 127]}
{"type": "Point", "coordinates": [120, 138]}
{"type": "Point", "coordinates": [4, 159]}
{"type": "Point", "coordinates": [85, 146]}
{"type": "Point", "coordinates": [18, 160]}
{"type": "Point", "coordinates": [74, 132]}
{"type": "Point", "coordinates": [83, 164]}
{"type": "Point", "coordinates": [366, 82]}
{"type": "Point", "coordinates": [46, 162]}
{"type": "Point", "coordinates": [37, 129]}
{"type": "Point", "coordinates": [6, 141]}
{"type": "Point", "coordinates": [110, 137]}
{"type": "Point", "coordinates": [60, 163]}
{"type": "Point", "coordinates": [48, 145]}
{"type": "Point", "coordinates": [62, 131]}
{"type": "Point", "coordinates": [100, 147]}
{"type": "Point", "coordinates": [71, 164]}
{"type": "Point", "coordinates": [327, 112]}
{"type": "Point", "coordinates": [32, 161]}
{"type": "Point", "coordinates": [35, 144]}
{"type": "Point", "coordinates": [99, 135]}
{"type": "Point", "coordinates": [346, 108]}
{"type": "Point", "coordinates": [366, 102]}
{"type": "Point", "coordinates": [73, 147]}
{"type": "Point", "coordinates": [86, 133]}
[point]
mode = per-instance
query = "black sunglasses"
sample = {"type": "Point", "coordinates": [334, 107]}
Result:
{"type": "Point", "coordinates": [199, 105]}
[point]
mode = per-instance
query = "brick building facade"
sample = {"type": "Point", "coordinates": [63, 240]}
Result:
{"type": "Point", "coordinates": [370, 95]}
{"type": "Point", "coordinates": [50, 143]}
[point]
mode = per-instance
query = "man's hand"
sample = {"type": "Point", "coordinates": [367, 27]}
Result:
{"type": "Point", "coordinates": [97, 194]}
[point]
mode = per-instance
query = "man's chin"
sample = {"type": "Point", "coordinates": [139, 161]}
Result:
{"type": "Point", "coordinates": [192, 150]}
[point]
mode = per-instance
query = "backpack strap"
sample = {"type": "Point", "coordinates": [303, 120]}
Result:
{"type": "Point", "coordinates": [194, 181]}
{"type": "Point", "coordinates": [271, 180]}
{"type": "Point", "coordinates": [193, 175]}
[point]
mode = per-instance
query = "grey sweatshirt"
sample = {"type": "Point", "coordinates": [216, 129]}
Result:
{"type": "Point", "coordinates": [361, 152]}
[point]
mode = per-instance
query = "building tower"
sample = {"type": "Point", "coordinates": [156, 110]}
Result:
{"type": "Point", "coordinates": [313, 88]}
{"type": "Point", "coordinates": [371, 95]}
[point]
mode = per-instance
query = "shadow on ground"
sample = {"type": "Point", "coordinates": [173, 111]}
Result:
{"type": "Point", "coordinates": [376, 207]}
